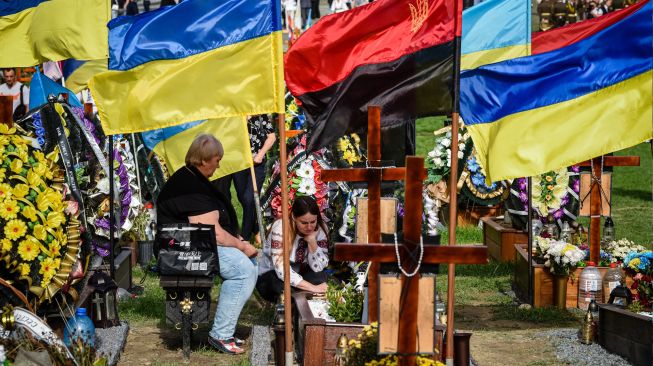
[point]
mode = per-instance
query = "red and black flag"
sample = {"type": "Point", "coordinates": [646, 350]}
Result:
{"type": "Point", "coordinates": [395, 54]}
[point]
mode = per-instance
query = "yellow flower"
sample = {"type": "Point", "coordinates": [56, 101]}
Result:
{"type": "Point", "coordinates": [39, 232]}
{"type": "Point", "coordinates": [547, 197]}
{"type": "Point", "coordinates": [21, 150]}
{"type": "Point", "coordinates": [43, 201]}
{"type": "Point", "coordinates": [29, 212]}
{"type": "Point", "coordinates": [33, 179]}
{"type": "Point", "coordinates": [40, 169]}
{"type": "Point", "coordinates": [55, 248]}
{"type": "Point", "coordinates": [634, 263]}
{"type": "Point", "coordinates": [40, 157]}
{"type": "Point", "coordinates": [550, 187]}
{"type": "Point", "coordinates": [60, 236]}
{"type": "Point", "coordinates": [5, 191]}
{"type": "Point", "coordinates": [16, 166]}
{"type": "Point", "coordinates": [356, 138]}
{"type": "Point", "coordinates": [5, 130]}
{"type": "Point", "coordinates": [14, 229]}
{"type": "Point", "coordinates": [28, 250]}
{"type": "Point", "coordinates": [55, 219]}
{"type": "Point", "coordinates": [21, 190]}
{"type": "Point", "coordinates": [549, 178]}
{"type": "Point", "coordinates": [6, 245]}
{"type": "Point", "coordinates": [2, 172]}
{"type": "Point", "coordinates": [48, 268]}
{"type": "Point", "coordinates": [24, 269]}
{"type": "Point", "coordinates": [9, 209]}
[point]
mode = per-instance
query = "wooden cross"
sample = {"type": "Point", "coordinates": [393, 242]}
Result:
{"type": "Point", "coordinates": [374, 174]}
{"type": "Point", "coordinates": [6, 110]}
{"type": "Point", "coordinates": [432, 254]}
{"type": "Point", "coordinates": [595, 197]}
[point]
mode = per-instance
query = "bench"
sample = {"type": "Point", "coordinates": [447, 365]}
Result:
{"type": "Point", "coordinates": [188, 301]}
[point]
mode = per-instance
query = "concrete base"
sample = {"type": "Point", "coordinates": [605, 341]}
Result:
{"type": "Point", "coordinates": [111, 341]}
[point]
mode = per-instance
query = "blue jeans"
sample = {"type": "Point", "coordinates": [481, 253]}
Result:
{"type": "Point", "coordinates": [239, 276]}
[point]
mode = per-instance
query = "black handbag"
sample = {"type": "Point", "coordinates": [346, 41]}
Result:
{"type": "Point", "coordinates": [21, 109]}
{"type": "Point", "coordinates": [187, 250]}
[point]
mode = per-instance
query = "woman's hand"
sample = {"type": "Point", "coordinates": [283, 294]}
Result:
{"type": "Point", "coordinates": [319, 289]}
{"type": "Point", "coordinates": [249, 250]}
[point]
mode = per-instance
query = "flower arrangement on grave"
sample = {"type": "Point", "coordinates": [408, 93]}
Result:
{"type": "Point", "coordinates": [618, 250]}
{"type": "Point", "coordinates": [41, 235]}
{"type": "Point", "coordinates": [560, 257]}
{"type": "Point", "coordinates": [554, 193]}
{"type": "Point", "coordinates": [363, 351]}
{"type": "Point", "coordinates": [348, 151]}
{"type": "Point", "coordinates": [640, 266]}
{"type": "Point", "coordinates": [295, 118]}
{"type": "Point", "coordinates": [475, 186]}
{"type": "Point", "coordinates": [438, 161]}
{"type": "Point", "coordinates": [345, 301]}
{"type": "Point", "coordinates": [303, 179]}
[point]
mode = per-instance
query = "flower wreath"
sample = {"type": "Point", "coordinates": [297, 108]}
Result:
{"type": "Point", "coordinates": [554, 193]}
{"type": "Point", "coordinates": [41, 238]}
{"type": "Point", "coordinates": [303, 177]}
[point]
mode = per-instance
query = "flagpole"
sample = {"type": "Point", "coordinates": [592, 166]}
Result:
{"type": "Point", "coordinates": [453, 177]}
{"type": "Point", "coordinates": [284, 229]}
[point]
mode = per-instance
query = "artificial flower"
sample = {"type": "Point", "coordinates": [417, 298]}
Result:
{"type": "Point", "coordinates": [39, 232]}
{"type": "Point", "coordinates": [5, 191]}
{"type": "Point", "coordinates": [29, 213]}
{"type": "Point", "coordinates": [40, 157]}
{"type": "Point", "coordinates": [2, 172]}
{"type": "Point", "coordinates": [28, 250]}
{"type": "Point", "coordinates": [43, 201]}
{"type": "Point", "coordinates": [48, 268]}
{"type": "Point", "coordinates": [54, 248]}
{"type": "Point", "coordinates": [20, 190]}
{"type": "Point", "coordinates": [9, 209]}
{"type": "Point", "coordinates": [40, 169]}
{"type": "Point", "coordinates": [306, 170]}
{"type": "Point", "coordinates": [24, 269]}
{"type": "Point", "coordinates": [33, 178]}
{"type": "Point", "coordinates": [16, 166]}
{"type": "Point", "coordinates": [15, 229]}
{"type": "Point", "coordinates": [6, 130]}
{"type": "Point", "coordinates": [55, 219]}
{"type": "Point", "coordinates": [6, 245]}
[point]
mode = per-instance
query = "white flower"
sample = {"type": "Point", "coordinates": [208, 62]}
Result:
{"type": "Point", "coordinates": [437, 162]}
{"type": "Point", "coordinates": [460, 154]}
{"type": "Point", "coordinates": [307, 187]}
{"type": "Point", "coordinates": [432, 154]}
{"type": "Point", "coordinates": [305, 170]}
{"type": "Point", "coordinates": [445, 142]}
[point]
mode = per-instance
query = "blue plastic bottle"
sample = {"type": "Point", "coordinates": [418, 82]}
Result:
{"type": "Point", "coordinates": [81, 327]}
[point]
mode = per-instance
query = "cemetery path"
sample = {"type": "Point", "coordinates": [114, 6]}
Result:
{"type": "Point", "coordinates": [504, 342]}
{"type": "Point", "coordinates": [154, 345]}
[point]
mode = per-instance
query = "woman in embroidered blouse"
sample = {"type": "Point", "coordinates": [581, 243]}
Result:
{"type": "Point", "coordinates": [308, 256]}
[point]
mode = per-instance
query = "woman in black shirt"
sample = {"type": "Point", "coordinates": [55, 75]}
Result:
{"type": "Point", "coordinates": [189, 197]}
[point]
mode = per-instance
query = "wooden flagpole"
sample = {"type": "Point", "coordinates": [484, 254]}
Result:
{"type": "Point", "coordinates": [284, 228]}
{"type": "Point", "coordinates": [453, 176]}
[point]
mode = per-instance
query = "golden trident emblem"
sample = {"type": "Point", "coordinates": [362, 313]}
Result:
{"type": "Point", "coordinates": [418, 14]}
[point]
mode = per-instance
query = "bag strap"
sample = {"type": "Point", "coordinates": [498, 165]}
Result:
{"type": "Point", "coordinates": [21, 94]}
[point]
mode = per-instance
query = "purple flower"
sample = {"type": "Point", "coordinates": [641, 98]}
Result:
{"type": "Point", "coordinates": [523, 196]}
{"type": "Point", "coordinates": [522, 183]}
{"type": "Point", "coordinates": [575, 168]}
{"type": "Point", "coordinates": [558, 214]}
{"type": "Point", "coordinates": [576, 186]}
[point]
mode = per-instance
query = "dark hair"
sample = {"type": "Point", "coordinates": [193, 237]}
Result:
{"type": "Point", "coordinates": [304, 205]}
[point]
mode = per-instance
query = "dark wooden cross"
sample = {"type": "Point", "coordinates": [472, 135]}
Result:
{"type": "Point", "coordinates": [6, 110]}
{"type": "Point", "coordinates": [595, 197]}
{"type": "Point", "coordinates": [374, 174]}
{"type": "Point", "coordinates": [408, 249]}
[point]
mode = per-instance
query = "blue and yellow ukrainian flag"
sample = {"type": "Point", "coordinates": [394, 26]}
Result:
{"type": "Point", "coordinates": [41, 87]}
{"type": "Point", "coordinates": [538, 113]}
{"type": "Point", "coordinates": [495, 30]}
{"type": "Point", "coordinates": [200, 59]}
{"type": "Point", "coordinates": [77, 73]}
{"type": "Point", "coordinates": [172, 143]}
{"type": "Point", "coordinates": [35, 31]}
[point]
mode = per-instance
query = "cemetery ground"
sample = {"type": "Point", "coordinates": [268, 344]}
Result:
{"type": "Point", "coordinates": [503, 334]}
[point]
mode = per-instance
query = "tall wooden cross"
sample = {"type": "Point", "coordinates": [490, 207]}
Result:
{"type": "Point", "coordinates": [6, 110]}
{"type": "Point", "coordinates": [432, 254]}
{"type": "Point", "coordinates": [595, 197]}
{"type": "Point", "coordinates": [374, 174]}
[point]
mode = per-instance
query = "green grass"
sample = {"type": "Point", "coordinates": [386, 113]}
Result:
{"type": "Point", "coordinates": [150, 306]}
{"type": "Point", "coordinates": [549, 316]}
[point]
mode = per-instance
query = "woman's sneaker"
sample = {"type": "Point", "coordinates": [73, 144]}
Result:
{"type": "Point", "coordinates": [229, 346]}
